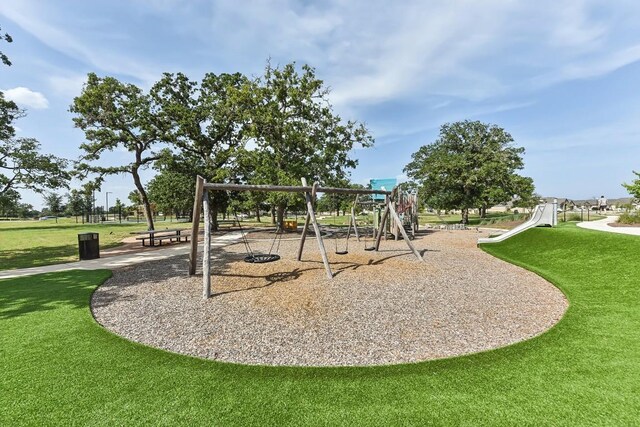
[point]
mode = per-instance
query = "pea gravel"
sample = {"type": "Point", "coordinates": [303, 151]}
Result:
{"type": "Point", "coordinates": [380, 308]}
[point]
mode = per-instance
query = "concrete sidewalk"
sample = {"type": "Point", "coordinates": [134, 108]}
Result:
{"type": "Point", "coordinates": [603, 225]}
{"type": "Point", "coordinates": [120, 260]}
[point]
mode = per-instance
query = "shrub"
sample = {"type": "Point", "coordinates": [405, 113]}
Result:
{"type": "Point", "coordinates": [629, 218]}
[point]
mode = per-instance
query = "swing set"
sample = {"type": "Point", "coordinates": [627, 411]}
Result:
{"type": "Point", "coordinates": [201, 202]}
{"type": "Point", "coordinates": [352, 222]}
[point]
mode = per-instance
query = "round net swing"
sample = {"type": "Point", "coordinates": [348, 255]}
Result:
{"type": "Point", "coordinates": [261, 258]}
{"type": "Point", "coordinates": [257, 258]}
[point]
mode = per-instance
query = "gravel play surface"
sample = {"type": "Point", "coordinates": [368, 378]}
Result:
{"type": "Point", "coordinates": [381, 307]}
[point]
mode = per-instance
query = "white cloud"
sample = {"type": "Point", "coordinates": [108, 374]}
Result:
{"type": "Point", "coordinates": [590, 68]}
{"type": "Point", "coordinates": [369, 52]}
{"type": "Point", "coordinates": [24, 96]}
{"type": "Point", "coordinates": [67, 86]}
{"type": "Point", "coordinates": [623, 133]}
{"type": "Point", "coordinates": [40, 22]}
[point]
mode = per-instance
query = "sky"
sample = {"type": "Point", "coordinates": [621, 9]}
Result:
{"type": "Point", "coordinates": [562, 76]}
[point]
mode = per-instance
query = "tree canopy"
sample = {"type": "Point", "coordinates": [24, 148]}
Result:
{"type": "Point", "coordinates": [634, 187]}
{"type": "Point", "coordinates": [117, 115]}
{"type": "Point", "coordinates": [206, 126]}
{"type": "Point", "coordinates": [298, 134]}
{"type": "Point", "coordinates": [21, 164]}
{"type": "Point", "coordinates": [470, 165]}
{"type": "Point", "coordinates": [7, 38]}
{"type": "Point", "coordinates": [172, 192]}
{"type": "Point", "coordinates": [53, 203]}
{"type": "Point", "coordinates": [274, 129]}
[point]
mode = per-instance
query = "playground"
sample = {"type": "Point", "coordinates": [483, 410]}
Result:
{"type": "Point", "coordinates": [379, 308]}
{"type": "Point", "coordinates": [411, 324]}
{"type": "Point", "coordinates": [583, 370]}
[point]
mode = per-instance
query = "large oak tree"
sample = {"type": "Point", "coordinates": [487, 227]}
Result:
{"type": "Point", "coordinates": [207, 126]}
{"type": "Point", "coordinates": [298, 133]}
{"type": "Point", "coordinates": [470, 165]}
{"type": "Point", "coordinates": [115, 115]}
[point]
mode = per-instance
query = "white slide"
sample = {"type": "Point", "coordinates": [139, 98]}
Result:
{"type": "Point", "coordinates": [545, 214]}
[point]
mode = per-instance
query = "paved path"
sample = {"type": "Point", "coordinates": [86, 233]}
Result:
{"type": "Point", "coordinates": [603, 225]}
{"type": "Point", "coordinates": [119, 260]}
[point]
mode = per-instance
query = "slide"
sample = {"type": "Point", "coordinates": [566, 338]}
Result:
{"type": "Point", "coordinates": [545, 214]}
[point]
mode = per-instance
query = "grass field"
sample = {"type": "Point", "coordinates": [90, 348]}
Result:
{"type": "Point", "coordinates": [60, 367]}
{"type": "Point", "coordinates": [35, 243]}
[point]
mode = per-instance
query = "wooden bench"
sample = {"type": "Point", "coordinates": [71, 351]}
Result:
{"type": "Point", "coordinates": [231, 222]}
{"type": "Point", "coordinates": [161, 235]}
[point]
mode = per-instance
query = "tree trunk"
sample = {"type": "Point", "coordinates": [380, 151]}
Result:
{"type": "Point", "coordinates": [144, 198]}
{"type": "Point", "coordinates": [258, 213]}
{"type": "Point", "coordinates": [214, 217]}
{"type": "Point", "coordinates": [483, 211]}
{"type": "Point", "coordinates": [273, 214]}
{"type": "Point", "coordinates": [465, 216]}
{"type": "Point", "coordinates": [280, 216]}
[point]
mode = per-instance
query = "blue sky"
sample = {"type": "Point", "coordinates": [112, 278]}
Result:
{"type": "Point", "coordinates": [563, 77]}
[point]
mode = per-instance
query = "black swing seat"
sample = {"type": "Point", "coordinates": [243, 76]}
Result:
{"type": "Point", "coordinates": [261, 258]}
{"type": "Point", "coordinates": [342, 252]}
{"type": "Point", "coordinates": [370, 248]}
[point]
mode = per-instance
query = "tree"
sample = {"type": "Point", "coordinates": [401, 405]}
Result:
{"type": "Point", "coordinates": [634, 187]}
{"type": "Point", "coordinates": [88, 198]}
{"type": "Point", "coordinates": [75, 204]}
{"type": "Point", "coordinates": [470, 165]}
{"type": "Point", "coordinates": [4, 58]}
{"type": "Point", "coordinates": [53, 204]}
{"type": "Point", "coordinates": [9, 202]}
{"type": "Point", "coordinates": [295, 128]}
{"type": "Point", "coordinates": [9, 112]}
{"type": "Point", "coordinates": [25, 210]}
{"type": "Point", "coordinates": [21, 164]}
{"type": "Point", "coordinates": [172, 192]}
{"type": "Point", "coordinates": [117, 209]}
{"type": "Point", "coordinates": [208, 121]}
{"type": "Point", "coordinates": [247, 171]}
{"type": "Point", "coordinates": [117, 115]}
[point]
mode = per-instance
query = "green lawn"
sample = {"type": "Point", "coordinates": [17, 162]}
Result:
{"type": "Point", "coordinates": [60, 367]}
{"type": "Point", "coordinates": [35, 243]}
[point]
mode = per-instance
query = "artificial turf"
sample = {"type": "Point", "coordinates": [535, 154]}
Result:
{"type": "Point", "coordinates": [58, 366]}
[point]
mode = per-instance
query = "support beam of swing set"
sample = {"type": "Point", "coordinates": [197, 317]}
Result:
{"type": "Point", "coordinates": [291, 189]}
{"type": "Point", "coordinates": [202, 201]}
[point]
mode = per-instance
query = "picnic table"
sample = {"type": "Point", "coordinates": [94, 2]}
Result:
{"type": "Point", "coordinates": [231, 222]}
{"type": "Point", "coordinates": [174, 234]}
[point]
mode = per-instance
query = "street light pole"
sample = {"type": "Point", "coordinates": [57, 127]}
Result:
{"type": "Point", "coordinates": [107, 194]}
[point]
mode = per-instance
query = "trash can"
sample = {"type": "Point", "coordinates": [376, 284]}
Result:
{"type": "Point", "coordinates": [89, 246]}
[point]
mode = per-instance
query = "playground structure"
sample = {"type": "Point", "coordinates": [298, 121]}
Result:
{"type": "Point", "coordinates": [545, 214]}
{"type": "Point", "coordinates": [406, 203]}
{"type": "Point", "coordinates": [201, 202]}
